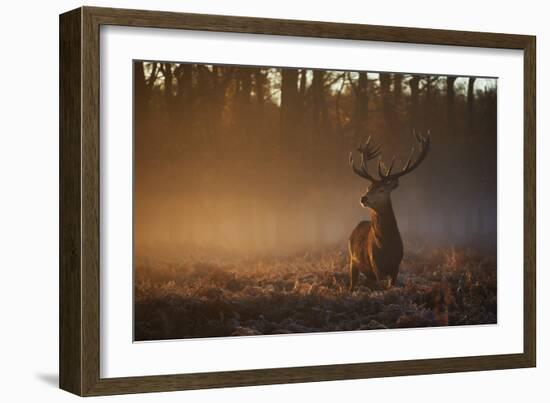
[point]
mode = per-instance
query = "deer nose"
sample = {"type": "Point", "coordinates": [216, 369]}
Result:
{"type": "Point", "coordinates": [364, 200]}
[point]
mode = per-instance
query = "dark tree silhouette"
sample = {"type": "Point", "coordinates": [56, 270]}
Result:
{"type": "Point", "coordinates": [143, 86]}
{"type": "Point", "coordinates": [397, 88]}
{"type": "Point", "coordinates": [319, 106]}
{"type": "Point", "coordinates": [450, 96]}
{"type": "Point", "coordinates": [385, 81]}
{"type": "Point", "coordinates": [289, 107]}
{"type": "Point", "coordinates": [260, 84]}
{"type": "Point", "coordinates": [471, 95]}
{"type": "Point", "coordinates": [361, 110]}
{"type": "Point", "coordinates": [414, 83]}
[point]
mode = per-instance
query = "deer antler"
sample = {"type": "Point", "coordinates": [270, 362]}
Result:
{"type": "Point", "coordinates": [368, 153]}
{"type": "Point", "coordinates": [424, 147]}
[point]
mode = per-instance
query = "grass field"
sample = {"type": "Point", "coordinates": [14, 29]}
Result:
{"type": "Point", "coordinates": [308, 292]}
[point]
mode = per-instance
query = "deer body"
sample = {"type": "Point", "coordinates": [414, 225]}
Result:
{"type": "Point", "coordinates": [375, 246]}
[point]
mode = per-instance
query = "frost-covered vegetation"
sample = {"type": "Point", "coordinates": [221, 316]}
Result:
{"type": "Point", "coordinates": [309, 293]}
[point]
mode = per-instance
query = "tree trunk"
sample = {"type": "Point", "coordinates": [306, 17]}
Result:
{"type": "Point", "coordinates": [397, 88]}
{"type": "Point", "coordinates": [168, 83]}
{"type": "Point", "coordinates": [319, 107]}
{"type": "Point", "coordinates": [289, 108]}
{"type": "Point", "coordinates": [245, 119]}
{"type": "Point", "coordinates": [385, 81]}
{"type": "Point", "coordinates": [361, 112]}
{"type": "Point", "coordinates": [415, 91]}
{"type": "Point", "coordinates": [244, 86]}
{"type": "Point", "coordinates": [184, 95]}
{"type": "Point", "coordinates": [303, 88]}
{"type": "Point", "coordinates": [450, 104]}
{"type": "Point", "coordinates": [141, 98]}
{"type": "Point", "coordinates": [430, 100]}
{"type": "Point", "coordinates": [260, 81]}
{"type": "Point", "coordinates": [471, 103]}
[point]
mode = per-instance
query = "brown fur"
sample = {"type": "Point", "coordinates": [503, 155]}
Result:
{"type": "Point", "coordinates": [376, 248]}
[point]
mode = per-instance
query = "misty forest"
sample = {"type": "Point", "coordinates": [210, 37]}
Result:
{"type": "Point", "coordinates": [244, 199]}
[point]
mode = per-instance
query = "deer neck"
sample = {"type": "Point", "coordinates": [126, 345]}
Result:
{"type": "Point", "coordinates": [384, 223]}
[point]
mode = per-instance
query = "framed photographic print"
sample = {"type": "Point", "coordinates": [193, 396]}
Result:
{"type": "Point", "coordinates": [249, 201]}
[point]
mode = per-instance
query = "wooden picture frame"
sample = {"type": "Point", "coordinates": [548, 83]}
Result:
{"type": "Point", "coordinates": [79, 346]}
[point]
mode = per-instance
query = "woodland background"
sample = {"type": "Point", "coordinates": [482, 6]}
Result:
{"type": "Point", "coordinates": [255, 159]}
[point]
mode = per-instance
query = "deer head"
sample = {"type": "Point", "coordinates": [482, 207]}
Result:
{"type": "Point", "coordinates": [378, 192]}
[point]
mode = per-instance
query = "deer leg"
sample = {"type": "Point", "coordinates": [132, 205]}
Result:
{"type": "Point", "coordinates": [371, 280]}
{"type": "Point", "coordinates": [353, 274]}
{"type": "Point", "coordinates": [394, 279]}
{"type": "Point", "coordinates": [389, 281]}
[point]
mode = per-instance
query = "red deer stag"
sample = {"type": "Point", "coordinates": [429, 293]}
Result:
{"type": "Point", "coordinates": [375, 246]}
